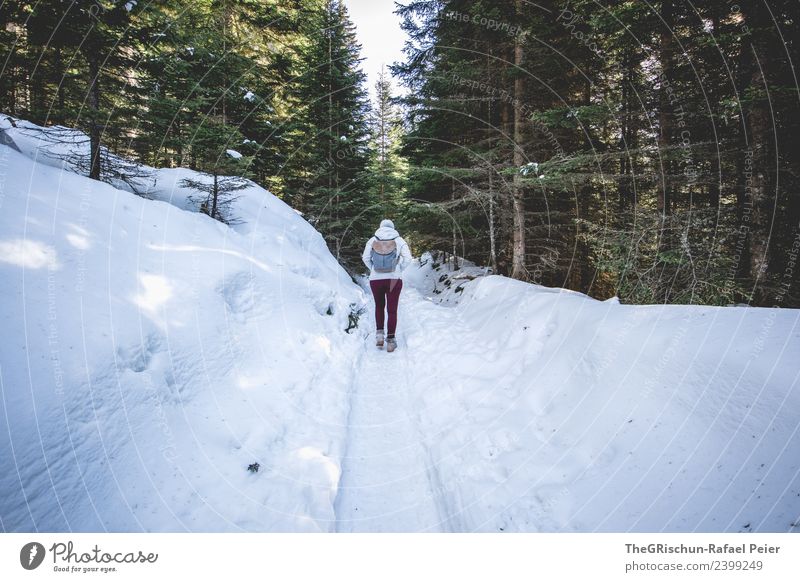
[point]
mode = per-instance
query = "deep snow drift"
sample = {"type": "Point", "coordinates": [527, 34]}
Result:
{"type": "Point", "coordinates": [151, 354]}
{"type": "Point", "coordinates": [545, 410]}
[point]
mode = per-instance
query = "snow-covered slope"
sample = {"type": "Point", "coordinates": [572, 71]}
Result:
{"type": "Point", "coordinates": [150, 355]}
{"type": "Point", "coordinates": [544, 410]}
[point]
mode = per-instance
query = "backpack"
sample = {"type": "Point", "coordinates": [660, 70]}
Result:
{"type": "Point", "coordinates": [384, 255]}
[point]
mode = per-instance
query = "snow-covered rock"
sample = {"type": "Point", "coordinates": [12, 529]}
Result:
{"type": "Point", "coordinates": [443, 281]}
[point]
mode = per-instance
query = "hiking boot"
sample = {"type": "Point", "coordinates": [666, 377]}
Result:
{"type": "Point", "coordinates": [391, 344]}
{"type": "Point", "coordinates": [379, 338]}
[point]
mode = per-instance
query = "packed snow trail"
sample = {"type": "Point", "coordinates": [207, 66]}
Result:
{"type": "Point", "coordinates": [386, 483]}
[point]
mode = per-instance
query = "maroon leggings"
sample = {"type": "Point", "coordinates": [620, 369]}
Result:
{"type": "Point", "coordinates": [383, 289]}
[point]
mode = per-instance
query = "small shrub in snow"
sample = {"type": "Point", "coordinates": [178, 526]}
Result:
{"type": "Point", "coordinates": [253, 467]}
{"type": "Point", "coordinates": [353, 317]}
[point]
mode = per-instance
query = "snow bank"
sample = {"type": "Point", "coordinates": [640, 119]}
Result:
{"type": "Point", "coordinates": [51, 146]}
{"type": "Point", "coordinates": [441, 281]}
{"type": "Point", "coordinates": [545, 410]}
{"type": "Point", "coordinates": [151, 354]}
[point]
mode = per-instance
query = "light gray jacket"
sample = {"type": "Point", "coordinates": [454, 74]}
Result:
{"type": "Point", "coordinates": [386, 233]}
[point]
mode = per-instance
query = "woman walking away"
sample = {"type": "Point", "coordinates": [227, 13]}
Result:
{"type": "Point", "coordinates": [386, 256]}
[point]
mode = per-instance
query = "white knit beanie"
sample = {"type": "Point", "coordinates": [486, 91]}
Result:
{"type": "Point", "coordinates": [387, 223]}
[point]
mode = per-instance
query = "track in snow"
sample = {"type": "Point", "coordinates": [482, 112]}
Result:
{"type": "Point", "coordinates": [386, 483]}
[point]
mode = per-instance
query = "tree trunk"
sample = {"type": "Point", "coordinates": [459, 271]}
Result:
{"type": "Point", "coordinates": [626, 195]}
{"type": "Point", "coordinates": [744, 70]}
{"type": "Point", "coordinates": [490, 140]}
{"type": "Point", "coordinates": [664, 116]}
{"type": "Point", "coordinates": [383, 105]}
{"type": "Point", "coordinates": [518, 269]}
{"type": "Point", "coordinates": [225, 25]}
{"type": "Point", "coordinates": [38, 108]}
{"type": "Point", "coordinates": [716, 173]}
{"type": "Point", "coordinates": [492, 235]}
{"type": "Point", "coordinates": [214, 195]}
{"type": "Point", "coordinates": [455, 231]}
{"type": "Point", "coordinates": [758, 124]}
{"type": "Point", "coordinates": [332, 167]}
{"type": "Point", "coordinates": [713, 187]}
{"type": "Point", "coordinates": [176, 131]}
{"type": "Point", "coordinates": [759, 183]}
{"type": "Point", "coordinates": [94, 107]}
{"type": "Point", "coordinates": [505, 208]}
{"type": "Point", "coordinates": [60, 74]}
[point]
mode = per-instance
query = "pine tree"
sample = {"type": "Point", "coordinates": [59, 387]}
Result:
{"type": "Point", "coordinates": [328, 164]}
{"type": "Point", "coordinates": [449, 142]}
{"type": "Point", "coordinates": [387, 168]}
{"type": "Point", "coordinates": [224, 167]}
{"type": "Point", "coordinates": [77, 60]}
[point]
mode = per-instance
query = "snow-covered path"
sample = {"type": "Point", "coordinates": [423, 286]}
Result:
{"type": "Point", "coordinates": [386, 483]}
